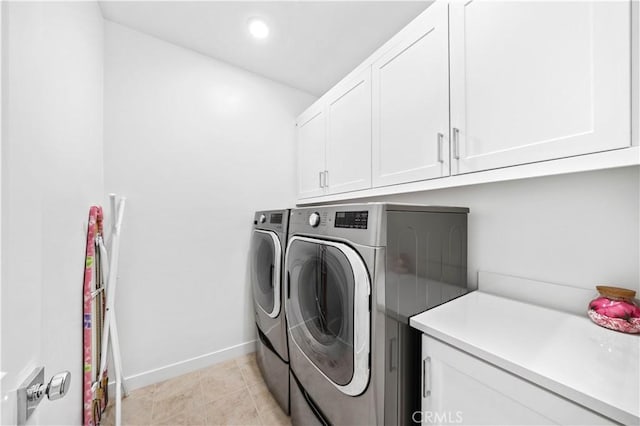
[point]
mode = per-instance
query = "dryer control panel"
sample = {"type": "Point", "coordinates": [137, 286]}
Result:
{"type": "Point", "coordinates": [355, 223]}
{"type": "Point", "coordinates": [351, 219]}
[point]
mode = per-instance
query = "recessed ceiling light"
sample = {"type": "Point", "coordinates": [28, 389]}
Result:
{"type": "Point", "coordinates": [258, 28]}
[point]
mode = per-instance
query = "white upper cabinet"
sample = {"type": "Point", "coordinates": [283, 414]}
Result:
{"type": "Point", "coordinates": [472, 86]}
{"type": "Point", "coordinates": [411, 103]}
{"type": "Point", "coordinates": [311, 152]}
{"type": "Point", "coordinates": [349, 135]}
{"type": "Point", "coordinates": [538, 80]}
{"type": "Point", "coordinates": [334, 140]}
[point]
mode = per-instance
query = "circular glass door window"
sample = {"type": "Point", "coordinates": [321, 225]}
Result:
{"type": "Point", "coordinates": [321, 318]}
{"type": "Point", "coordinates": [265, 271]}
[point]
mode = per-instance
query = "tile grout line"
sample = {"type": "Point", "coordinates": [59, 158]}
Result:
{"type": "Point", "coordinates": [205, 418]}
{"type": "Point", "coordinates": [153, 404]}
{"type": "Point", "coordinates": [253, 399]}
{"type": "Point", "coordinates": [255, 404]}
{"type": "Point", "coordinates": [201, 395]}
{"type": "Point", "coordinates": [200, 402]}
{"type": "Point", "coordinates": [246, 382]}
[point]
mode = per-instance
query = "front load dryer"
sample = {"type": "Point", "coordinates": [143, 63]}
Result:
{"type": "Point", "coordinates": [268, 241]}
{"type": "Point", "coordinates": [355, 274]}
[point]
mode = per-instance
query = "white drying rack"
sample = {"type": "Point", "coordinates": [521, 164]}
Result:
{"type": "Point", "coordinates": [110, 332]}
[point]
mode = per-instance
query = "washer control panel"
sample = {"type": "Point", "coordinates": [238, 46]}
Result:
{"type": "Point", "coordinates": [275, 218]}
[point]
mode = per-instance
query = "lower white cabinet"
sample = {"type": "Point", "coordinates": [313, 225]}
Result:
{"type": "Point", "coordinates": [458, 388]}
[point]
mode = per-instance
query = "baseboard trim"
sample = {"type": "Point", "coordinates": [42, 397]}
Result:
{"type": "Point", "coordinates": [170, 371]}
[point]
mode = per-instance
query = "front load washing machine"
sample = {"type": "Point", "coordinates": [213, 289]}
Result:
{"type": "Point", "coordinates": [355, 274]}
{"type": "Point", "coordinates": [268, 241]}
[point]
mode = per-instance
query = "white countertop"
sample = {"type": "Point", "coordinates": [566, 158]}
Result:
{"type": "Point", "coordinates": [567, 354]}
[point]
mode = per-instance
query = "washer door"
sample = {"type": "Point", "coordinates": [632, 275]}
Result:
{"type": "Point", "coordinates": [266, 255]}
{"type": "Point", "coordinates": [328, 310]}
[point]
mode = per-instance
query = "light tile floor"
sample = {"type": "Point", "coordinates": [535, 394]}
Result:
{"type": "Point", "coordinates": [229, 393]}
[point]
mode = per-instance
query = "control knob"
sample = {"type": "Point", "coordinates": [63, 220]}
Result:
{"type": "Point", "coordinates": [314, 219]}
{"type": "Point", "coordinates": [262, 218]}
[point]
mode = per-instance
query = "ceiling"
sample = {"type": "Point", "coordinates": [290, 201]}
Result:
{"type": "Point", "coordinates": [311, 46]}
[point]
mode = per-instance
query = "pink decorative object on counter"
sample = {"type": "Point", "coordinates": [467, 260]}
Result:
{"type": "Point", "coordinates": [615, 309]}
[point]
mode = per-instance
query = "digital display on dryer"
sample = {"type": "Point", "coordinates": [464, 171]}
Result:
{"type": "Point", "coordinates": [355, 220]}
{"type": "Point", "coordinates": [275, 218]}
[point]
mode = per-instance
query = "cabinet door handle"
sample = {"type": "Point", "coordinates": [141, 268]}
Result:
{"type": "Point", "coordinates": [426, 377]}
{"type": "Point", "coordinates": [456, 143]}
{"type": "Point", "coordinates": [391, 351]}
{"type": "Point", "coordinates": [326, 178]}
{"type": "Point", "coordinates": [320, 179]}
{"type": "Point", "coordinates": [440, 139]}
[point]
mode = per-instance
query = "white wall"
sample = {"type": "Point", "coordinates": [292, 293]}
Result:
{"type": "Point", "coordinates": [51, 174]}
{"type": "Point", "coordinates": [197, 146]}
{"type": "Point", "coordinates": [579, 229]}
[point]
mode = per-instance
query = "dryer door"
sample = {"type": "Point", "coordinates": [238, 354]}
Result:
{"type": "Point", "coordinates": [328, 310]}
{"type": "Point", "coordinates": [266, 255]}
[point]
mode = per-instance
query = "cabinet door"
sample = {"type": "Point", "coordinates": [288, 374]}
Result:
{"type": "Point", "coordinates": [458, 388]}
{"type": "Point", "coordinates": [349, 135]}
{"type": "Point", "coordinates": [538, 80]}
{"type": "Point", "coordinates": [311, 152]}
{"type": "Point", "coordinates": [411, 104]}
